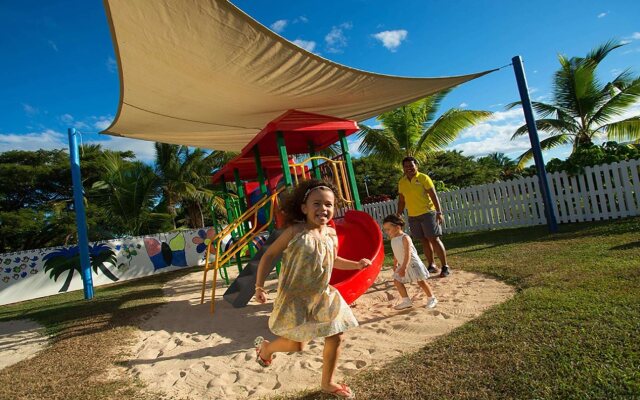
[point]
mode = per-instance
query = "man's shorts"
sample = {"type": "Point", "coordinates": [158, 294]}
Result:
{"type": "Point", "coordinates": [425, 226]}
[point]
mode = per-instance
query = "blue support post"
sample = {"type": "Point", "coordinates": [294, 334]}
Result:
{"type": "Point", "coordinates": [81, 219]}
{"type": "Point", "coordinates": [521, 79]}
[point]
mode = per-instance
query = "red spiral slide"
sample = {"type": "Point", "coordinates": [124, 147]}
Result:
{"type": "Point", "coordinates": [359, 236]}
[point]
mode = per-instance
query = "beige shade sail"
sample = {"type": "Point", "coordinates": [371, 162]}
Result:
{"type": "Point", "coordinates": [203, 73]}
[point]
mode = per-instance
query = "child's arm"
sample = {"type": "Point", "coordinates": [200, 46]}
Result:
{"type": "Point", "coordinates": [406, 244]}
{"type": "Point", "coordinates": [343, 263]}
{"type": "Point", "coordinates": [395, 263]}
{"type": "Point", "coordinates": [273, 252]}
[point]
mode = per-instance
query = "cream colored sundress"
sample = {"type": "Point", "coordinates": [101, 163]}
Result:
{"type": "Point", "coordinates": [306, 306]}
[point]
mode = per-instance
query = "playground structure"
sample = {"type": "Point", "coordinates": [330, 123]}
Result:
{"type": "Point", "coordinates": [267, 161]}
{"type": "Point", "coordinates": [179, 86]}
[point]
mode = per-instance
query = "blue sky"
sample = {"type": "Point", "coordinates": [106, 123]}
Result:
{"type": "Point", "coordinates": [58, 68]}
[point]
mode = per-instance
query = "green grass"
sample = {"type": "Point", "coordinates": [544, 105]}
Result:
{"type": "Point", "coordinates": [86, 340]}
{"type": "Point", "coordinates": [572, 331]}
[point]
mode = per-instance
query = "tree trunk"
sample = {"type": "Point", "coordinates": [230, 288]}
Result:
{"type": "Point", "coordinates": [67, 282]}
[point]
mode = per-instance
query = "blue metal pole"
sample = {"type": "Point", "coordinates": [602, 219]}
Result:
{"type": "Point", "coordinates": [523, 88]}
{"type": "Point", "coordinates": [81, 219]}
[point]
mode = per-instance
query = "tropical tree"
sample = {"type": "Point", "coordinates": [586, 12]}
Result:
{"type": "Point", "coordinates": [583, 107]}
{"type": "Point", "coordinates": [129, 191]}
{"type": "Point", "coordinates": [67, 260]}
{"type": "Point", "coordinates": [416, 130]}
{"type": "Point", "coordinates": [507, 167]}
{"type": "Point", "coordinates": [185, 175]}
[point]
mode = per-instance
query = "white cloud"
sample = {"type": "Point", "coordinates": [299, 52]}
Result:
{"type": "Point", "coordinates": [66, 119]}
{"type": "Point", "coordinates": [625, 41]}
{"type": "Point", "coordinates": [391, 39]}
{"type": "Point", "coordinates": [47, 139]}
{"type": "Point", "coordinates": [494, 134]}
{"type": "Point", "coordinates": [30, 110]}
{"type": "Point", "coordinates": [603, 14]}
{"type": "Point", "coordinates": [70, 121]}
{"type": "Point", "coordinates": [279, 25]}
{"type": "Point", "coordinates": [111, 64]}
{"type": "Point", "coordinates": [335, 39]}
{"type": "Point", "coordinates": [634, 50]}
{"type": "Point", "coordinates": [635, 35]}
{"type": "Point", "coordinates": [463, 105]}
{"type": "Point", "coordinates": [53, 45]}
{"type": "Point", "coordinates": [301, 19]}
{"type": "Point", "coordinates": [144, 150]}
{"type": "Point", "coordinates": [102, 122]}
{"type": "Point", "coordinates": [308, 45]}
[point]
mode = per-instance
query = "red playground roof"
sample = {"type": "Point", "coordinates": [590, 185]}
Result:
{"type": "Point", "coordinates": [300, 128]}
{"type": "Point", "coordinates": [247, 168]}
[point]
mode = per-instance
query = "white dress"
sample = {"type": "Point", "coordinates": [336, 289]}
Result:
{"type": "Point", "coordinates": [416, 271]}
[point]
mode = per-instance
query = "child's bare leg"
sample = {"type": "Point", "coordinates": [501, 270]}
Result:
{"type": "Point", "coordinates": [401, 288]}
{"type": "Point", "coordinates": [280, 345]}
{"type": "Point", "coordinates": [426, 288]}
{"type": "Point", "coordinates": [330, 356]}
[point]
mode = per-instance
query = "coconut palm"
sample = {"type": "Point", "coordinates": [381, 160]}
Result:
{"type": "Point", "coordinates": [67, 260]}
{"type": "Point", "coordinates": [185, 176]}
{"type": "Point", "coordinates": [128, 191]}
{"type": "Point", "coordinates": [507, 167]}
{"type": "Point", "coordinates": [414, 130]}
{"type": "Point", "coordinates": [583, 107]}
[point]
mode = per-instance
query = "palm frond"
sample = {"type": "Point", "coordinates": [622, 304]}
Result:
{"type": "Point", "coordinates": [546, 144]}
{"type": "Point", "coordinates": [447, 128]}
{"type": "Point", "coordinates": [379, 143]}
{"type": "Point", "coordinates": [552, 126]}
{"type": "Point", "coordinates": [627, 129]}
{"type": "Point", "coordinates": [617, 105]}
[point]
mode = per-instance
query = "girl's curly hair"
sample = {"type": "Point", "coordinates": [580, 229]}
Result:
{"type": "Point", "coordinates": [294, 199]}
{"type": "Point", "coordinates": [394, 219]}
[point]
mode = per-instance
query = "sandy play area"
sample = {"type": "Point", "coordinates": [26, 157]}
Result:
{"type": "Point", "coordinates": [186, 353]}
{"type": "Point", "coordinates": [20, 340]}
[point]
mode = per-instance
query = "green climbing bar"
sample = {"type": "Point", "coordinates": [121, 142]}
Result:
{"type": "Point", "coordinates": [350, 172]}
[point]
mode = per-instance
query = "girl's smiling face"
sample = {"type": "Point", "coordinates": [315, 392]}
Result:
{"type": "Point", "coordinates": [319, 207]}
{"type": "Point", "coordinates": [392, 230]}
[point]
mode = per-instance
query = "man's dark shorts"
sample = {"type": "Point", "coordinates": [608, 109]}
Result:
{"type": "Point", "coordinates": [425, 226]}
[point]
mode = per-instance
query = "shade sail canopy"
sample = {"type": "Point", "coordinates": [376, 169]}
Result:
{"type": "Point", "coordinates": [203, 73]}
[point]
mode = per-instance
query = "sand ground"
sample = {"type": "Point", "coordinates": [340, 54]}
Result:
{"type": "Point", "coordinates": [20, 340]}
{"type": "Point", "coordinates": [187, 353]}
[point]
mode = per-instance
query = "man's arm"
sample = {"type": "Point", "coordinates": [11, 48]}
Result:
{"type": "Point", "coordinates": [400, 204]}
{"type": "Point", "coordinates": [436, 202]}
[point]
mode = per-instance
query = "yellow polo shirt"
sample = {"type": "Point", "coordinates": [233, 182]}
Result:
{"type": "Point", "coordinates": [415, 194]}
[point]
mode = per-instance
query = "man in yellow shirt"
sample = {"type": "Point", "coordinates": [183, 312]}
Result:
{"type": "Point", "coordinates": [417, 193]}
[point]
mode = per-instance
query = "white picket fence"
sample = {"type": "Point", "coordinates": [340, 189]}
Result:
{"type": "Point", "coordinates": [602, 192]}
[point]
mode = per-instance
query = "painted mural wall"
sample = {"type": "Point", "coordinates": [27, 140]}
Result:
{"type": "Point", "coordinates": [43, 272]}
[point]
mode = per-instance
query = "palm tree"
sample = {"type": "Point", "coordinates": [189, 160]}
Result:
{"type": "Point", "coordinates": [129, 190]}
{"type": "Point", "coordinates": [414, 130]}
{"type": "Point", "coordinates": [185, 176]}
{"type": "Point", "coordinates": [67, 259]}
{"type": "Point", "coordinates": [583, 107]}
{"type": "Point", "coordinates": [508, 168]}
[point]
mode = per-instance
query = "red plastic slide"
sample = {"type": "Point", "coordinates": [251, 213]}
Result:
{"type": "Point", "coordinates": [359, 236]}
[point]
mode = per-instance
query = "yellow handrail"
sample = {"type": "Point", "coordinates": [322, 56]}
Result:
{"type": "Point", "coordinates": [237, 245]}
{"type": "Point", "coordinates": [339, 175]}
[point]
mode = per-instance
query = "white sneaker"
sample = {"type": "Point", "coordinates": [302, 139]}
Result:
{"type": "Point", "coordinates": [431, 303]}
{"type": "Point", "coordinates": [406, 303]}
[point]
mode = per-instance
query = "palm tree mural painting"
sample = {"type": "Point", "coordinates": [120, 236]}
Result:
{"type": "Point", "coordinates": [67, 260]}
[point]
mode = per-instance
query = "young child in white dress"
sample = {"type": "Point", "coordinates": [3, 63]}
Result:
{"type": "Point", "coordinates": [407, 266]}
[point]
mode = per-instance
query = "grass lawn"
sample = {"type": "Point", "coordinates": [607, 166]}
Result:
{"type": "Point", "coordinates": [571, 331]}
